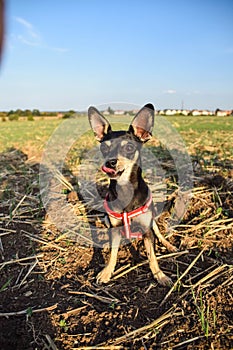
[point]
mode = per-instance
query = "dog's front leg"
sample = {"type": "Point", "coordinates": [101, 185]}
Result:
{"type": "Point", "coordinates": [154, 266]}
{"type": "Point", "coordinates": [105, 275]}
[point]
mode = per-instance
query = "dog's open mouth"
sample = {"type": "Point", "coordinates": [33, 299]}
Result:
{"type": "Point", "coordinates": [111, 172]}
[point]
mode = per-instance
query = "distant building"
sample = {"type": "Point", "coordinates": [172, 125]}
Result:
{"type": "Point", "coordinates": [173, 112]}
{"type": "Point", "coordinates": [119, 112]}
{"type": "Point", "coordinates": [195, 112]}
{"type": "Point", "coordinates": [185, 112]}
{"type": "Point", "coordinates": [223, 113]}
{"type": "Point", "coordinates": [206, 112]}
{"type": "Point", "coordinates": [170, 112]}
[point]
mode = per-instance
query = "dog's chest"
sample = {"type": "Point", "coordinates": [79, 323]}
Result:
{"type": "Point", "coordinates": [140, 222]}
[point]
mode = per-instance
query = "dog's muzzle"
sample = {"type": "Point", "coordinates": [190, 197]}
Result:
{"type": "Point", "coordinates": [110, 168]}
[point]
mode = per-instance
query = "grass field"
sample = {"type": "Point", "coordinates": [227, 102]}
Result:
{"type": "Point", "coordinates": [49, 296]}
{"type": "Point", "coordinates": [210, 130]}
{"type": "Point", "coordinates": [26, 135]}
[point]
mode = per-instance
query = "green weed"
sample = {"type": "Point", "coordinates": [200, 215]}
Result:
{"type": "Point", "coordinates": [204, 314]}
{"type": "Point", "coordinates": [5, 285]}
{"type": "Point", "coordinates": [63, 325]}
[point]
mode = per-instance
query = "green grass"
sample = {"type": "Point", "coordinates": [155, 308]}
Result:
{"type": "Point", "coordinates": [205, 136]}
{"type": "Point", "coordinates": [199, 133]}
{"type": "Point", "coordinates": [206, 316]}
{"type": "Point", "coordinates": [201, 123]}
{"type": "Point", "coordinates": [21, 133]}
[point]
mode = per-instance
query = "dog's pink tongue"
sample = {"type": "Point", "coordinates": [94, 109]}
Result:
{"type": "Point", "coordinates": [108, 170]}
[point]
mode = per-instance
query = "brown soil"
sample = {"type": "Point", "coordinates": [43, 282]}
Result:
{"type": "Point", "coordinates": [49, 298]}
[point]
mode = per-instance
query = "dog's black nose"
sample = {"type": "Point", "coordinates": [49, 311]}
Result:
{"type": "Point", "coordinates": [111, 163]}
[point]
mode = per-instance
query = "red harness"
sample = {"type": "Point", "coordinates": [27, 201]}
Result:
{"type": "Point", "coordinates": [126, 216]}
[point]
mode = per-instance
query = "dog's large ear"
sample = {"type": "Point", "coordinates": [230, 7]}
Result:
{"type": "Point", "coordinates": [143, 122]}
{"type": "Point", "coordinates": [98, 123]}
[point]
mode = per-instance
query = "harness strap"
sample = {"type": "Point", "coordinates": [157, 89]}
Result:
{"type": "Point", "coordinates": [126, 216]}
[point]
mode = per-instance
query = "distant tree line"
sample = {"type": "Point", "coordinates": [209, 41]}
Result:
{"type": "Point", "coordinates": [27, 112]}
{"type": "Point", "coordinates": [30, 114]}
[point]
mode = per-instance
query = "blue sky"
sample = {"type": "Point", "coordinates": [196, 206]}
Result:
{"type": "Point", "coordinates": [69, 54]}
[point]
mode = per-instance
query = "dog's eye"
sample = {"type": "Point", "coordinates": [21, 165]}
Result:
{"type": "Point", "coordinates": [129, 148]}
{"type": "Point", "coordinates": [104, 148]}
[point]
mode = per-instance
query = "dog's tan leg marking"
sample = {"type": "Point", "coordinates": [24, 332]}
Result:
{"type": "Point", "coordinates": [154, 266]}
{"type": "Point", "coordinates": [162, 239]}
{"type": "Point", "coordinates": [105, 275]}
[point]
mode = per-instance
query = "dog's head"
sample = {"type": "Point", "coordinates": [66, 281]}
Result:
{"type": "Point", "coordinates": [121, 149]}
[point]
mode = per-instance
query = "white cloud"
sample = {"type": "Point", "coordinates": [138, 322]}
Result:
{"type": "Point", "coordinates": [23, 22]}
{"type": "Point", "coordinates": [25, 41]}
{"type": "Point", "coordinates": [30, 36]}
{"type": "Point", "coordinates": [28, 26]}
{"type": "Point", "coordinates": [170, 91]}
{"type": "Point", "coordinates": [59, 49]}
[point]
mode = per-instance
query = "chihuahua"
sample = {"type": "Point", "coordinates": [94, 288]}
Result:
{"type": "Point", "coordinates": [129, 202]}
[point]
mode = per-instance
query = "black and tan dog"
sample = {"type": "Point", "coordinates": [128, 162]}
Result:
{"type": "Point", "coordinates": [129, 200]}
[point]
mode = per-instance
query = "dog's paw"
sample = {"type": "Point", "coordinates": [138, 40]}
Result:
{"type": "Point", "coordinates": [171, 248]}
{"type": "Point", "coordinates": [104, 276]}
{"type": "Point", "coordinates": [163, 279]}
